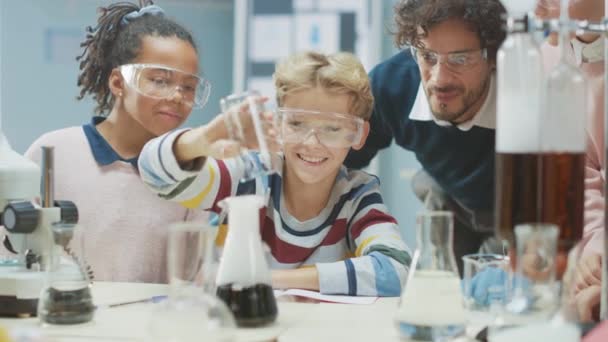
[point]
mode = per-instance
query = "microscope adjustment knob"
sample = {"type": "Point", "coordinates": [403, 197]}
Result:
{"type": "Point", "coordinates": [69, 211]}
{"type": "Point", "coordinates": [20, 217]}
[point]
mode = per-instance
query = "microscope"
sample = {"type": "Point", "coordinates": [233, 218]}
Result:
{"type": "Point", "coordinates": [27, 226]}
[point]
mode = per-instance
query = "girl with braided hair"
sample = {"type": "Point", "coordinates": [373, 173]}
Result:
{"type": "Point", "coordinates": [142, 70]}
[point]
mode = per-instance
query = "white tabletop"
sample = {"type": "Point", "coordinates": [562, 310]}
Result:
{"type": "Point", "coordinates": [296, 322]}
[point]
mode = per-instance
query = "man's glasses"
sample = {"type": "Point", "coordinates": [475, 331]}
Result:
{"type": "Point", "coordinates": [455, 61]}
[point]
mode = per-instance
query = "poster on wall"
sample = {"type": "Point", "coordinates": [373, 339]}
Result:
{"type": "Point", "coordinates": [275, 29]}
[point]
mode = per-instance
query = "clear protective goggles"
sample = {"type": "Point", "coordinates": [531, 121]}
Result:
{"type": "Point", "coordinates": [161, 82]}
{"type": "Point", "coordinates": [331, 129]}
{"type": "Point", "coordinates": [455, 61]}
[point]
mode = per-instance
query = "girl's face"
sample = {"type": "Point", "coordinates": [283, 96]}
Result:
{"type": "Point", "coordinates": [158, 116]}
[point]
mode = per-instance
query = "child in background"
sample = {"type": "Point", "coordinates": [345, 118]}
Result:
{"type": "Point", "coordinates": [142, 69]}
{"type": "Point", "coordinates": [326, 226]}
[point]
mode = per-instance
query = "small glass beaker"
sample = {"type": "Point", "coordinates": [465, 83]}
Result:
{"type": "Point", "coordinates": [192, 310]}
{"type": "Point", "coordinates": [535, 289]}
{"type": "Point", "coordinates": [66, 297]}
{"type": "Point", "coordinates": [246, 124]}
{"type": "Point", "coordinates": [433, 283]}
{"type": "Point", "coordinates": [485, 285]}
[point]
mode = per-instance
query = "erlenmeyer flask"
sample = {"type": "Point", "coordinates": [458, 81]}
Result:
{"type": "Point", "coordinates": [244, 281]}
{"type": "Point", "coordinates": [433, 283]}
{"type": "Point", "coordinates": [66, 298]}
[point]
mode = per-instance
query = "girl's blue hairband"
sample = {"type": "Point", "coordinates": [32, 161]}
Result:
{"type": "Point", "coordinates": [151, 10]}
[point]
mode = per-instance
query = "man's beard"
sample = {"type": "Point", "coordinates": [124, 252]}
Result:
{"type": "Point", "coordinates": [469, 99]}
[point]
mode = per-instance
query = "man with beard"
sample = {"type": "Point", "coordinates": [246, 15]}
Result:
{"type": "Point", "coordinates": [437, 98]}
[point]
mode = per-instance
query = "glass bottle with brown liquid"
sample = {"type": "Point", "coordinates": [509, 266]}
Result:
{"type": "Point", "coordinates": [244, 281]}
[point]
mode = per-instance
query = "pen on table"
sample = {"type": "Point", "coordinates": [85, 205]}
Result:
{"type": "Point", "coordinates": [153, 299]}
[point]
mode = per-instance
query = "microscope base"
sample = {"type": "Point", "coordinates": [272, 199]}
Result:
{"type": "Point", "coordinates": [16, 307]}
{"type": "Point", "coordinates": [19, 291]}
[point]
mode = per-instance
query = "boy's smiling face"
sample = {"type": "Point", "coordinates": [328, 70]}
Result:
{"type": "Point", "coordinates": [309, 161]}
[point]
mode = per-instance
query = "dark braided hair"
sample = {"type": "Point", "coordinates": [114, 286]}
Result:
{"type": "Point", "coordinates": [484, 16]}
{"type": "Point", "coordinates": [112, 43]}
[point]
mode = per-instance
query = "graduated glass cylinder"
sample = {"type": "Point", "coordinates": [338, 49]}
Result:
{"type": "Point", "coordinates": [518, 145]}
{"type": "Point", "coordinates": [563, 146]}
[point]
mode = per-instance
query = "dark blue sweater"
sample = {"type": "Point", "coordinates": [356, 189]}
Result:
{"type": "Point", "coordinates": [462, 162]}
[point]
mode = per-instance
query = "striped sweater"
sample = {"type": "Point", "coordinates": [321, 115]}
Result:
{"type": "Point", "coordinates": [354, 243]}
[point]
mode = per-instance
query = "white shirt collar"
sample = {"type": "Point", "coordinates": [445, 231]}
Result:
{"type": "Point", "coordinates": [485, 118]}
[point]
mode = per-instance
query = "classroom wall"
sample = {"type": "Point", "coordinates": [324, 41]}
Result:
{"type": "Point", "coordinates": [40, 40]}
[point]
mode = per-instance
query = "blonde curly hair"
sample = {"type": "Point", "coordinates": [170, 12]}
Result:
{"type": "Point", "coordinates": [339, 73]}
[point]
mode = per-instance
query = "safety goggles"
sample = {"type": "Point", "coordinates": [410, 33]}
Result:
{"type": "Point", "coordinates": [455, 61]}
{"type": "Point", "coordinates": [331, 129]}
{"type": "Point", "coordinates": [161, 82]}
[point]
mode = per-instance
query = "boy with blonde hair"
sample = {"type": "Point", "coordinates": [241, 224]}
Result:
{"type": "Point", "coordinates": [319, 214]}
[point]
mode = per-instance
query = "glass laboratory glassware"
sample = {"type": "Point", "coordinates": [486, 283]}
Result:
{"type": "Point", "coordinates": [535, 294]}
{"type": "Point", "coordinates": [563, 146]}
{"type": "Point", "coordinates": [244, 282]}
{"type": "Point", "coordinates": [519, 81]}
{"type": "Point", "coordinates": [66, 297]}
{"type": "Point", "coordinates": [433, 283]}
{"type": "Point", "coordinates": [485, 285]}
{"type": "Point", "coordinates": [243, 117]}
{"type": "Point", "coordinates": [192, 312]}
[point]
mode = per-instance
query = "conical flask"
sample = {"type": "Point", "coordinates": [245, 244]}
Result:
{"type": "Point", "coordinates": [243, 281]}
{"type": "Point", "coordinates": [66, 298]}
{"type": "Point", "coordinates": [432, 306]}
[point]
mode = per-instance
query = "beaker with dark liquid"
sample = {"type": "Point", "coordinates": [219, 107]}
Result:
{"type": "Point", "coordinates": [66, 297]}
{"type": "Point", "coordinates": [243, 279]}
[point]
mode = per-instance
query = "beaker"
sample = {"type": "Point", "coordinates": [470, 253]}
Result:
{"type": "Point", "coordinates": [246, 124]}
{"type": "Point", "coordinates": [192, 310]}
{"type": "Point", "coordinates": [535, 289]}
{"type": "Point", "coordinates": [485, 284]}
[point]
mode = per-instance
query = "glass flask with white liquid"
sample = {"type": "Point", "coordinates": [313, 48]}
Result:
{"type": "Point", "coordinates": [433, 283]}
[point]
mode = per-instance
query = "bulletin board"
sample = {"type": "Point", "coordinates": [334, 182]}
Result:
{"type": "Point", "coordinates": [268, 30]}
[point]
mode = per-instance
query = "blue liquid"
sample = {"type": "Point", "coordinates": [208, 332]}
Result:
{"type": "Point", "coordinates": [429, 333]}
